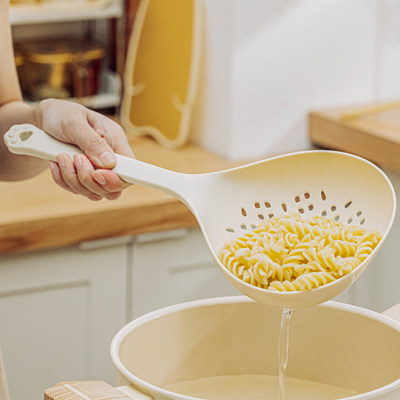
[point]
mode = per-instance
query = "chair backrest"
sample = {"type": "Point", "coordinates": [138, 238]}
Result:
{"type": "Point", "coordinates": [4, 395]}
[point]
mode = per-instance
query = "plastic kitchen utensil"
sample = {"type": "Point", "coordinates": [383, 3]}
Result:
{"type": "Point", "coordinates": [231, 202]}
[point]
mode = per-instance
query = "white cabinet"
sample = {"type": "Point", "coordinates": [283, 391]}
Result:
{"type": "Point", "coordinates": [383, 289]}
{"type": "Point", "coordinates": [169, 270]}
{"type": "Point", "coordinates": [59, 310]}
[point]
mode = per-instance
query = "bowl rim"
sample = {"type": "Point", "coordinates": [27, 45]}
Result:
{"type": "Point", "coordinates": [161, 312]}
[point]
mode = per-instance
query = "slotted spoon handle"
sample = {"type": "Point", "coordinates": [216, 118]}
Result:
{"type": "Point", "coordinates": [29, 140]}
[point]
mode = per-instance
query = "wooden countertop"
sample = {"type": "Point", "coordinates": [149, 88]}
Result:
{"type": "Point", "coordinates": [37, 214]}
{"type": "Point", "coordinates": [370, 131]}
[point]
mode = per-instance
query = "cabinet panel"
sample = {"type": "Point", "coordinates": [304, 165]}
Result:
{"type": "Point", "coordinates": [378, 288]}
{"type": "Point", "coordinates": [175, 270]}
{"type": "Point", "coordinates": [58, 313]}
{"type": "Point", "coordinates": [36, 329]}
{"type": "Point", "coordinates": [384, 270]}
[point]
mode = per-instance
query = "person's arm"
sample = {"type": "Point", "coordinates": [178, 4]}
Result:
{"type": "Point", "coordinates": [12, 109]}
{"type": "Point", "coordinates": [98, 136]}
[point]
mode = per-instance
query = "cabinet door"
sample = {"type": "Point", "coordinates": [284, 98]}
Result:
{"type": "Point", "coordinates": [173, 270]}
{"type": "Point", "coordinates": [58, 313]}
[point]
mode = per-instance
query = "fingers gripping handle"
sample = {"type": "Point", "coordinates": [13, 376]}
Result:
{"type": "Point", "coordinates": [29, 140]}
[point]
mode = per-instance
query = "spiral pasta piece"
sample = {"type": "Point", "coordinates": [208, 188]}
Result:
{"type": "Point", "coordinates": [290, 253]}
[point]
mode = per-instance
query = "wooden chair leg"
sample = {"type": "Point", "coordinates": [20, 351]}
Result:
{"type": "Point", "coordinates": [3, 383]}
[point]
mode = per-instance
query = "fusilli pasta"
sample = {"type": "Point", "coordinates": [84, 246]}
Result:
{"type": "Point", "coordinates": [290, 253]}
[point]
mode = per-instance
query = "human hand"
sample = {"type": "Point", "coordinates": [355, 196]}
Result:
{"type": "Point", "coordinates": [97, 136]}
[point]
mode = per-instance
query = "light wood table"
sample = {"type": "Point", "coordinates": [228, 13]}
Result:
{"type": "Point", "coordinates": [37, 214]}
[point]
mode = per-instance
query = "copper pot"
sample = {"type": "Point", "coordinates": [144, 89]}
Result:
{"type": "Point", "coordinates": [60, 68]}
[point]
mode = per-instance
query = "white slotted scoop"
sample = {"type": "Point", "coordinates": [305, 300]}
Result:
{"type": "Point", "coordinates": [230, 203]}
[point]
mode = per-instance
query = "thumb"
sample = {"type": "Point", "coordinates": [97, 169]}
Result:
{"type": "Point", "coordinates": [99, 152]}
{"type": "Point", "coordinates": [96, 148]}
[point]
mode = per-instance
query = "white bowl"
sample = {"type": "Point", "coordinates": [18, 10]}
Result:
{"type": "Point", "coordinates": [332, 343]}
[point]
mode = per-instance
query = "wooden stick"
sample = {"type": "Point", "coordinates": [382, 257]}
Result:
{"type": "Point", "coordinates": [84, 390]}
{"type": "Point", "coordinates": [3, 382]}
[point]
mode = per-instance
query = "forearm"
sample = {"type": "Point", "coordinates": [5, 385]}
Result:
{"type": "Point", "coordinates": [15, 167]}
{"type": "Point", "coordinates": [98, 137]}
{"type": "Point", "coordinates": [12, 109]}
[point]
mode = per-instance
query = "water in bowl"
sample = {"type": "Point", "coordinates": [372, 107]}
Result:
{"type": "Point", "coordinates": [257, 387]}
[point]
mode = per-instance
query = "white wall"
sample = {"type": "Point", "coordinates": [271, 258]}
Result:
{"type": "Point", "coordinates": [267, 63]}
{"type": "Point", "coordinates": [211, 127]}
{"type": "Point", "coordinates": [388, 58]}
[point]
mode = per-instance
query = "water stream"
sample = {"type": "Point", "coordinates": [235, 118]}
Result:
{"type": "Point", "coordinates": [283, 350]}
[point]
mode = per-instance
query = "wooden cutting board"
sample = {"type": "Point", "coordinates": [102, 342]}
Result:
{"type": "Point", "coordinates": [162, 70]}
{"type": "Point", "coordinates": [370, 131]}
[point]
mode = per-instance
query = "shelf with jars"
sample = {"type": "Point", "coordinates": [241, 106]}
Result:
{"type": "Point", "coordinates": [108, 96]}
{"type": "Point", "coordinates": [34, 12]}
{"type": "Point", "coordinates": [67, 68]}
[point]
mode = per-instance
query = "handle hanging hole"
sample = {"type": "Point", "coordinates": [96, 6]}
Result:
{"type": "Point", "coordinates": [25, 135]}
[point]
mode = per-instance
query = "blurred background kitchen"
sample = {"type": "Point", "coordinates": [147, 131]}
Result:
{"type": "Point", "coordinates": [265, 81]}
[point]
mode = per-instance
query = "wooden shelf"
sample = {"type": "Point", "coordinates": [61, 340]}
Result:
{"type": "Point", "coordinates": [64, 11]}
